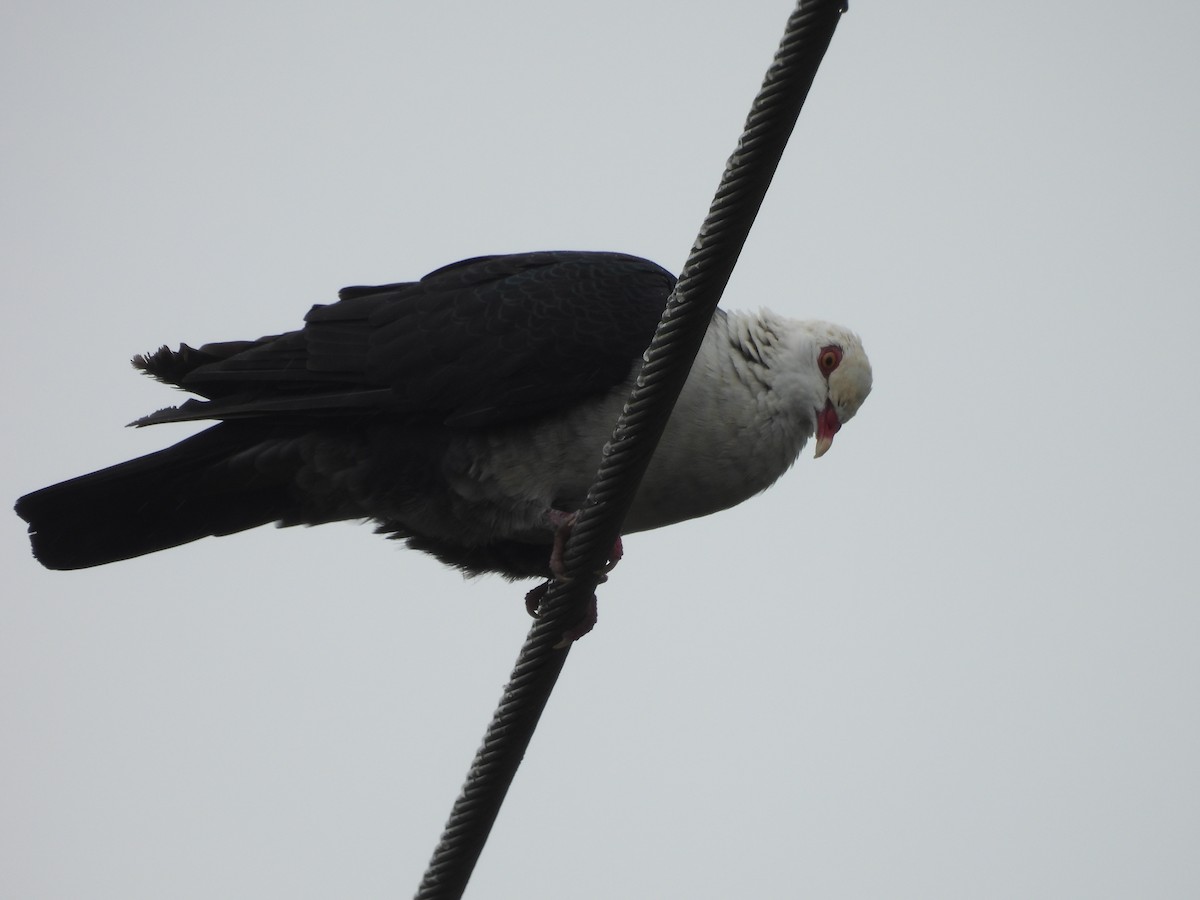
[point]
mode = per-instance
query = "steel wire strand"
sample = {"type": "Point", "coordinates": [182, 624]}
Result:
{"type": "Point", "coordinates": [667, 362]}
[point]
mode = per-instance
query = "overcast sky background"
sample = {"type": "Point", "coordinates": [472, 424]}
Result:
{"type": "Point", "coordinates": [956, 657]}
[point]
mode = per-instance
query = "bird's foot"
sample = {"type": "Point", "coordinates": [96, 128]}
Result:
{"type": "Point", "coordinates": [580, 628]}
{"type": "Point", "coordinates": [614, 555]}
{"type": "Point", "coordinates": [563, 522]}
{"type": "Point", "coordinates": [534, 599]}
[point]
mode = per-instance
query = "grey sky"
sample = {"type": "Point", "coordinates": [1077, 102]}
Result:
{"type": "Point", "coordinates": [956, 657]}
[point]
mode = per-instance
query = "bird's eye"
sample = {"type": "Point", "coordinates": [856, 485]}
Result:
{"type": "Point", "coordinates": [829, 358]}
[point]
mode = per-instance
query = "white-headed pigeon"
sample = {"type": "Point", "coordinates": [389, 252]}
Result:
{"type": "Point", "coordinates": [464, 413]}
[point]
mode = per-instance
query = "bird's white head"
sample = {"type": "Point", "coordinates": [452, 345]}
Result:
{"type": "Point", "coordinates": [844, 366]}
{"type": "Point", "coordinates": [831, 376]}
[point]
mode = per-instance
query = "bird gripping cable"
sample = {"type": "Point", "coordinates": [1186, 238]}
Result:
{"type": "Point", "coordinates": [668, 360]}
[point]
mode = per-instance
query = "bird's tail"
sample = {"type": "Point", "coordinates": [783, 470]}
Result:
{"type": "Point", "coordinates": [205, 485]}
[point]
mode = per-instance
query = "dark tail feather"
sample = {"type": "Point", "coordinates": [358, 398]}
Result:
{"type": "Point", "coordinates": [194, 489]}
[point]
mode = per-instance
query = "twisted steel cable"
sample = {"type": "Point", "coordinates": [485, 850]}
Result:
{"type": "Point", "coordinates": [668, 360]}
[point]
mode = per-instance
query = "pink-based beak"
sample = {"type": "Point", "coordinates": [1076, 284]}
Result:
{"type": "Point", "coordinates": [827, 426]}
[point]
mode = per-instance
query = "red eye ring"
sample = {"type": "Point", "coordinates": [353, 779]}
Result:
{"type": "Point", "coordinates": [829, 359]}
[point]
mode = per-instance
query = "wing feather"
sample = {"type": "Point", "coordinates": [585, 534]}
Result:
{"type": "Point", "coordinates": [484, 341]}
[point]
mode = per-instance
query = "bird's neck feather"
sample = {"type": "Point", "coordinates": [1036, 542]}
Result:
{"type": "Point", "coordinates": [742, 418]}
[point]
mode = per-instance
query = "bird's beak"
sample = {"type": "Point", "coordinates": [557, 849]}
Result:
{"type": "Point", "coordinates": [827, 426]}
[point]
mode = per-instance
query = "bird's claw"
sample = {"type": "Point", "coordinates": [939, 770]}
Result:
{"type": "Point", "coordinates": [533, 600]}
{"type": "Point", "coordinates": [580, 628]}
{"type": "Point", "coordinates": [535, 597]}
{"type": "Point", "coordinates": [563, 522]}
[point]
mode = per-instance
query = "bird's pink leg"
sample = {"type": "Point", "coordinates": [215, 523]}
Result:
{"type": "Point", "coordinates": [563, 522]}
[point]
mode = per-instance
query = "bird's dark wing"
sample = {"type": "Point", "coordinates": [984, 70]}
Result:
{"type": "Point", "coordinates": [485, 341]}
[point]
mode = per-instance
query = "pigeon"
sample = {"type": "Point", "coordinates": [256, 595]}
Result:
{"type": "Point", "coordinates": [465, 414]}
